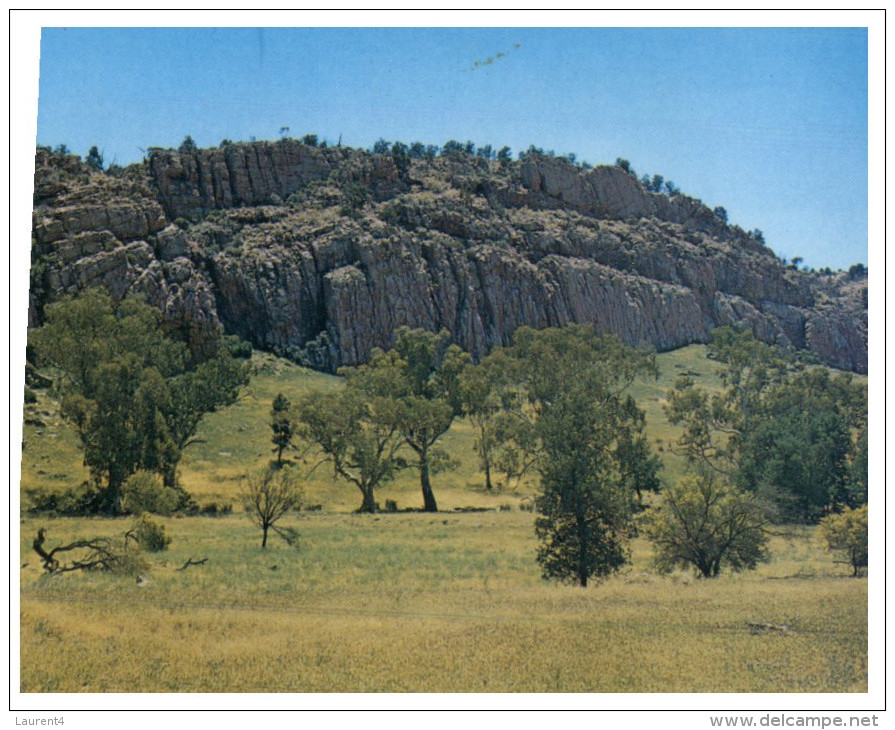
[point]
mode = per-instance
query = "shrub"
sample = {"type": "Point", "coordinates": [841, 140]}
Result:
{"type": "Point", "coordinates": [94, 159]}
{"type": "Point", "coordinates": [238, 347]}
{"type": "Point", "coordinates": [846, 533]}
{"type": "Point", "coordinates": [150, 535]}
{"type": "Point", "coordinates": [267, 496]}
{"type": "Point", "coordinates": [83, 500]}
{"type": "Point", "coordinates": [354, 197]}
{"type": "Point", "coordinates": [624, 165]}
{"type": "Point", "coordinates": [144, 492]}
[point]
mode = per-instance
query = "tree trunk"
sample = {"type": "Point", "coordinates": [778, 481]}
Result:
{"type": "Point", "coordinates": [429, 503]}
{"type": "Point", "coordinates": [581, 523]}
{"type": "Point", "coordinates": [368, 505]}
{"type": "Point", "coordinates": [488, 484]}
{"type": "Point", "coordinates": [114, 495]}
{"type": "Point", "coordinates": [264, 529]}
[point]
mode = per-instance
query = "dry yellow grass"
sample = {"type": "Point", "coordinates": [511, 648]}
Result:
{"type": "Point", "coordinates": [445, 603]}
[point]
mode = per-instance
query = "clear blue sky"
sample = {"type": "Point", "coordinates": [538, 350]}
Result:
{"type": "Point", "coordinates": [770, 123]}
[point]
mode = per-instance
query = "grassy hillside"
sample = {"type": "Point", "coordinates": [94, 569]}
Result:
{"type": "Point", "coordinates": [237, 439]}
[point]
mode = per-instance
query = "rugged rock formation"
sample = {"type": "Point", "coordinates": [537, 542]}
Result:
{"type": "Point", "coordinates": [321, 253]}
{"type": "Point", "coordinates": [190, 183]}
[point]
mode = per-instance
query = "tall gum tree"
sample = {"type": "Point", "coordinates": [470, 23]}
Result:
{"type": "Point", "coordinates": [135, 394]}
{"type": "Point", "coordinates": [420, 376]}
{"type": "Point", "coordinates": [357, 435]}
{"type": "Point", "coordinates": [579, 427]}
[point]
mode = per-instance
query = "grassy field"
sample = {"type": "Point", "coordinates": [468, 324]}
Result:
{"type": "Point", "coordinates": [410, 602]}
{"type": "Point", "coordinates": [416, 602]}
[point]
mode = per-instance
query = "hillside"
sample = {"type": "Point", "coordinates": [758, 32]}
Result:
{"type": "Point", "coordinates": [320, 253]}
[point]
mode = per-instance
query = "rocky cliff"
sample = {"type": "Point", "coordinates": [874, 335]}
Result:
{"type": "Point", "coordinates": [321, 253]}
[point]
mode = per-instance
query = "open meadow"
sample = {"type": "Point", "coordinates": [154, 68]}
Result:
{"type": "Point", "coordinates": [409, 601]}
{"type": "Point", "coordinates": [429, 603]}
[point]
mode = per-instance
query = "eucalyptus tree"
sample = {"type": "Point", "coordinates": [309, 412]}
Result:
{"type": "Point", "coordinates": [579, 428]}
{"type": "Point", "coordinates": [420, 378]}
{"type": "Point", "coordinates": [135, 393]}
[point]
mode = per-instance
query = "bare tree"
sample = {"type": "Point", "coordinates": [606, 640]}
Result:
{"type": "Point", "coordinates": [267, 496]}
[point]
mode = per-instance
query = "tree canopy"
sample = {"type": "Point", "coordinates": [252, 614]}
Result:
{"type": "Point", "coordinates": [795, 433]}
{"type": "Point", "coordinates": [420, 378]}
{"type": "Point", "coordinates": [135, 394]}
{"type": "Point", "coordinates": [847, 533]}
{"type": "Point", "coordinates": [704, 523]}
{"type": "Point", "coordinates": [358, 435]}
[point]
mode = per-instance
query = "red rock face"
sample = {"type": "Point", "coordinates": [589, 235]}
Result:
{"type": "Point", "coordinates": [366, 245]}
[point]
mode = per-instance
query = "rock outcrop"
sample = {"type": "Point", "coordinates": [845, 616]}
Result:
{"type": "Point", "coordinates": [192, 182]}
{"type": "Point", "coordinates": [321, 254]}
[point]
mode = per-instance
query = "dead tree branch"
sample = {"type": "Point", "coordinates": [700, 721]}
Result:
{"type": "Point", "coordinates": [190, 562]}
{"type": "Point", "coordinates": [99, 555]}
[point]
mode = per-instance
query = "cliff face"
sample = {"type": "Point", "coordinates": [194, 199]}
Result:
{"type": "Point", "coordinates": [323, 253]}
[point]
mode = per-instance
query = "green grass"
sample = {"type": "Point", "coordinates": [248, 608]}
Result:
{"type": "Point", "coordinates": [650, 396]}
{"type": "Point", "coordinates": [51, 454]}
{"type": "Point", "coordinates": [238, 437]}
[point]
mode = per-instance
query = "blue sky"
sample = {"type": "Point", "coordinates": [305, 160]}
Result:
{"type": "Point", "coordinates": [770, 123]}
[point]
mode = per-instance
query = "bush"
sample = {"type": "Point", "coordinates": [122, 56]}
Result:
{"type": "Point", "coordinates": [83, 500]}
{"type": "Point", "coordinates": [213, 509]}
{"type": "Point", "coordinates": [144, 492]}
{"type": "Point", "coordinates": [150, 535]}
{"type": "Point", "coordinates": [94, 159]}
{"type": "Point", "coordinates": [624, 165]}
{"type": "Point", "coordinates": [30, 395]}
{"type": "Point", "coordinates": [846, 533]}
{"type": "Point", "coordinates": [354, 197]}
{"type": "Point", "coordinates": [238, 347]}
{"type": "Point", "coordinates": [267, 496]}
